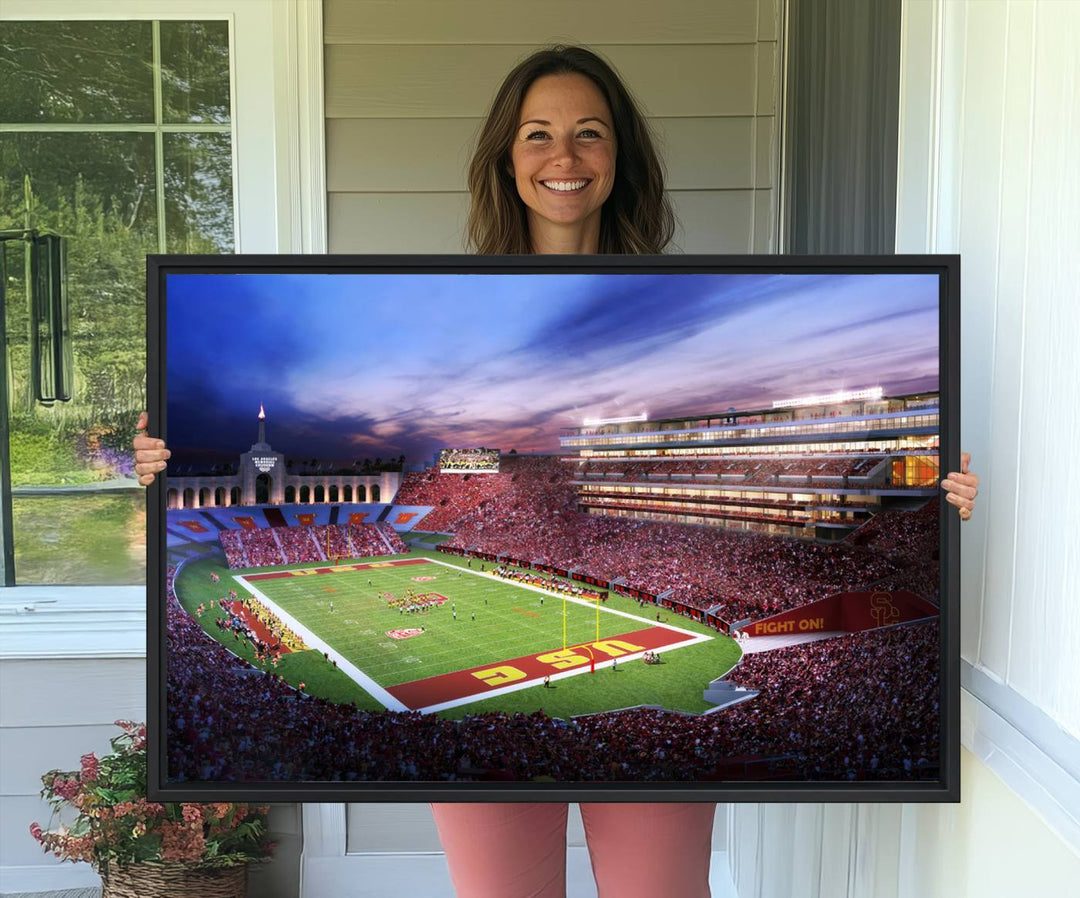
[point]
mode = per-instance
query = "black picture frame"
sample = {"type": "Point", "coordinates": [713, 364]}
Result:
{"type": "Point", "coordinates": [945, 789]}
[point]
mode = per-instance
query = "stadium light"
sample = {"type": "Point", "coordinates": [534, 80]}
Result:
{"type": "Point", "coordinates": [829, 398]}
{"type": "Point", "coordinates": [629, 419]}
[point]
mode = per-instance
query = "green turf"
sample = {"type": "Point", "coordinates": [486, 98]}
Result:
{"type": "Point", "coordinates": [310, 668]}
{"type": "Point", "coordinates": [510, 622]}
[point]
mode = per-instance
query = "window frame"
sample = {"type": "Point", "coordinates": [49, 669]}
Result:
{"type": "Point", "coordinates": [276, 59]}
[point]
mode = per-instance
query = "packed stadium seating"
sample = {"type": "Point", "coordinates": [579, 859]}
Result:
{"type": "Point", "coordinates": [530, 513]}
{"type": "Point", "coordinates": [862, 706]}
{"type": "Point", "coordinates": [298, 544]}
{"type": "Point", "coordinates": [858, 707]}
{"type": "Point", "coordinates": [293, 545]}
{"type": "Point", "coordinates": [451, 495]}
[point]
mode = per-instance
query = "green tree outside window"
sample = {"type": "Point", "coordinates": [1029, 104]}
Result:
{"type": "Point", "coordinates": [117, 136]}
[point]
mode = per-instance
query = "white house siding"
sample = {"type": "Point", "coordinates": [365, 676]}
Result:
{"type": "Point", "coordinates": [989, 142]}
{"type": "Point", "coordinates": [408, 83]}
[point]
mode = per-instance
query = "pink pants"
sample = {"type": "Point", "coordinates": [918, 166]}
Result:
{"type": "Point", "coordinates": [519, 850]}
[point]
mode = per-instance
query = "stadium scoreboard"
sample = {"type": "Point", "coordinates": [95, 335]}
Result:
{"type": "Point", "coordinates": [469, 461]}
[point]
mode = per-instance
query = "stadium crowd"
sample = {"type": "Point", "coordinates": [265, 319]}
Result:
{"type": "Point", "coordinates": [298, 544]}
{"type": "Point", "coordinates": [451, 495]}
{"type": "Point", "coordinates": [336, 542]}
{"type": "Point", "coordinates": [250, 548]}
{"type": "Point", "coordinates": [862, 706]}
{"type": "Point", "coordinates": [308, 544]}
{"type": "Point", "coordinates": [858, 707]}
{"type": "Point", "coordinates": [534, 517]}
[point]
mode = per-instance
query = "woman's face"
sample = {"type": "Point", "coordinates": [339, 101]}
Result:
{"type": "Point", "coordinates": [563, 154]}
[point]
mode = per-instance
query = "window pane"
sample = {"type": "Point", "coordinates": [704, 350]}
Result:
{"type": "Point", "coordinates": [198, 193]}
{"type": "Point", "coordinates": [76, 72]}
{"type": "Point", "coordinates": [195, 72]}
{"type": "Point", "coordinates": [98, 191]}
{"type": "Point", "coordinates": [82, 540]}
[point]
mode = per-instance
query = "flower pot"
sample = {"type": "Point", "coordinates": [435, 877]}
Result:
{"type": "Point", "coordinates": [174, 881]}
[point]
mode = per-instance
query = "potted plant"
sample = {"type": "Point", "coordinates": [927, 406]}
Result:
{"type": "Point", "coordinates": [141, 847]}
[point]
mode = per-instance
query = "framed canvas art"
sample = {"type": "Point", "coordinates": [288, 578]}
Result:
{"type": "Point", "coordinates": [554, 528]}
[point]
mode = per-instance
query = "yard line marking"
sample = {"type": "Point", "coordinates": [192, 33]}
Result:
{"type": "Point", "coordinates": [386, 695]}
{"type": "Point", "coordinates": [462, 687]}
{"type": "Point", "coordinates": [558, 595]}
{"type": "Point", "coordinates": [354, 673]}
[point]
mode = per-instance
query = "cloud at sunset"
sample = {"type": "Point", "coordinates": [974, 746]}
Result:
{"type": "Point", "coordinates": [365, 365]}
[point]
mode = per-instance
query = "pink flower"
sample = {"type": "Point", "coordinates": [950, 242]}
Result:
{"type": "Point", "coordinates": [89, 768]}
{"type": "Point", "coordinates": [66, 789]}
{"type": "Point", "coordinates": [36, 831]}
{"type": "Point", "coordinates": [181, 842]}
{"type": "Point", "coordinates": [146, 808]}
{"type": "Point", "coordinates": [192, 813]}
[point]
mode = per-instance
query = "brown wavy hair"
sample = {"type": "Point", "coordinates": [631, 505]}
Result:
{"type": "Point", "coordinates": [637, 216]}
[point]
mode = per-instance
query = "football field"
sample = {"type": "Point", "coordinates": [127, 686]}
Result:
{"type": "Point", "coordinates": [481, 638]}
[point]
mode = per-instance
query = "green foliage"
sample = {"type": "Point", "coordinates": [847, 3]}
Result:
{"type": "Point", "coordinates": [106, 265]}
{"type": "Point", "coordinates": [81, 539]}
{"type": "Point", "coordinates": [38, 456]}
{"type": "Point", "coordinates": [99, 190]}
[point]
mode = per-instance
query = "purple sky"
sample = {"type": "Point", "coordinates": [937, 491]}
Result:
{"type": "Point", "coordinates": [357, 366]}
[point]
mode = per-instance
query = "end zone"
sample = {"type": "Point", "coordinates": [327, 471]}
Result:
{"type": "Point", "coordinates": [461, 687]}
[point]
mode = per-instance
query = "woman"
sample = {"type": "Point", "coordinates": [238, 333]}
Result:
{"type": "Point", "coordinates": [565, 164]}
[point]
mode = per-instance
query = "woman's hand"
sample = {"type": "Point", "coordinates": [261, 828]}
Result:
{"type": "Point", "coordinates": [150, 453]}
{"type": "Point", "coordinates": [962, 488]}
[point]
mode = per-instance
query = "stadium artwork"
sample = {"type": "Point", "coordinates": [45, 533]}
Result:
{"type": "Point", "coordinates": [708, 561]}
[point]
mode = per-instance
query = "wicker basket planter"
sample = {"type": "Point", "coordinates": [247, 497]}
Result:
{"type": "Point", "coordinates": [149, 880]}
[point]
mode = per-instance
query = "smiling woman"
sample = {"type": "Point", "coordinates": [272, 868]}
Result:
{"type": "Point", "coordinates": [563, 117]}
{"type": "Point", "coordinates": [563, 162]}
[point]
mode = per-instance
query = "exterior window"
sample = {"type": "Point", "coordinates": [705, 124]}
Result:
{"type": "Point", "coordinates": [117, 136]}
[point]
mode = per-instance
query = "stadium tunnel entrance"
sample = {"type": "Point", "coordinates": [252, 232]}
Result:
{"type": "Point", "coordinates": [262, 489]}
